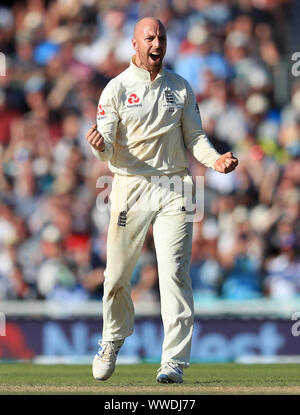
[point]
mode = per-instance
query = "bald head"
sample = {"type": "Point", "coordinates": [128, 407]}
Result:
{"type": "Point", "coordinates": [149, 42]}
{"type": "Point", "coordinates": [140, 24]}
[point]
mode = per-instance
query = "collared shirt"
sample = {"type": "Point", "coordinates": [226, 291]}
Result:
{"type": "Point", "coordinates": [147, 125]}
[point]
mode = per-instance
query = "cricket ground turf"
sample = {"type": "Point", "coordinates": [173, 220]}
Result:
{"type": "Point", "coordinates": [140, 379]}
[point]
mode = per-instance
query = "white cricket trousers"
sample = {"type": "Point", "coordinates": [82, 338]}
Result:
{"type": "Point", "coordinates": [136, 203]}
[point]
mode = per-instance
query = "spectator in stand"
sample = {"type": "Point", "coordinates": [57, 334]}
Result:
{"type": "Point", "coordinates": [282, 265]}
{"type": "Point", "coordinates": [242, 279]}
{"type": "Point", "coordinates": [55, 279]}
{"type": "Point", "coordinates": [87, 266]}
{"type": "Point", "coordinates": [199, 58]}
{"type": "Point", "coordinates": [222, 115]}
{"type": "Point", "coordinates": [206, 272]}
{"type": "Point", "coordinates": [7, 115]}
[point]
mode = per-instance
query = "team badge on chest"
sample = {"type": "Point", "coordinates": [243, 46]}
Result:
{"type": "Point", "coordinates": [169, 99]}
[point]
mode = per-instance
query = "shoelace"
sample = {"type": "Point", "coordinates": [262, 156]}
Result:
{"type": "Point", "coordinates": [106, 350]}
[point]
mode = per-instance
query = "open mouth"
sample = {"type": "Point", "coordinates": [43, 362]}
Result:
{"type": "Point", "coordinates": [155, 56]}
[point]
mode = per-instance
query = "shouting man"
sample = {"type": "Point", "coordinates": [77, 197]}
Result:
{"type": "Point", "coordinates": [147, 118]}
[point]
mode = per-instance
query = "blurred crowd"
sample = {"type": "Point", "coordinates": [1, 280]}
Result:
{"type": "Point", "coordinates": [59, 55]}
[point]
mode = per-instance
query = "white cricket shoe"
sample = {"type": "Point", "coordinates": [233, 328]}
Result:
{"type": "Point", "coordinates": [170, 373]}
{"type": "Point", "coordinates": [105, 360]}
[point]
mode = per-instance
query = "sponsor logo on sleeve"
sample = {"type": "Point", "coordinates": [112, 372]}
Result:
{"type": "Point", "coordinates": [100, 112]}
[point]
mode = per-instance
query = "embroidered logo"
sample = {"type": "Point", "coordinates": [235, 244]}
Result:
{"type": "Point", "coordinates": [122, 218]}
{"type": "Point", "coordinates": [133, 99]}
{"type": "Point", "coordinates": [170, 99]}
{"type": "Point", "coordinates": [100, 111]}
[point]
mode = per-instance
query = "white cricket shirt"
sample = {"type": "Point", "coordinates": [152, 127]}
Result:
{"type": "Point", "coordinates": [147, 124]}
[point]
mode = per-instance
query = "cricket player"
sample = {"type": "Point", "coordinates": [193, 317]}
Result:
{"type": "Point", "coordinates": [147, 117]}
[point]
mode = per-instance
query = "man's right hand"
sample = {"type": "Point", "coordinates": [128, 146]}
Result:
{"type": "Point", "coordinates": [95, 138]}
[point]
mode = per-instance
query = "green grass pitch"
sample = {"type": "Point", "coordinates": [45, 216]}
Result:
{"type": "Point", "coordinates": [227, 378]}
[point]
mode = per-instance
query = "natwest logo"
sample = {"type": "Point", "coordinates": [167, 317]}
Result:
{"type": "Point", "coordinates": [133, 99]}
{"type": "Point", "coordinates": [100, 111]}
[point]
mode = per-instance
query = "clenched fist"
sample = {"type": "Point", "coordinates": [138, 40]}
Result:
{"type": "Point", "coordinates": [226, 163]}
{"type": "Point", "coordinates": [95, 138]}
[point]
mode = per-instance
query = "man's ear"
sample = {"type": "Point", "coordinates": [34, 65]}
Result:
{"type": "Point", "coordinates": [134, 44]}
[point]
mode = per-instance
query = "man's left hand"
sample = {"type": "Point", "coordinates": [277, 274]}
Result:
{"type": "Point", "coordinates": [226, 163]}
